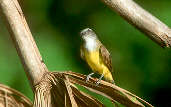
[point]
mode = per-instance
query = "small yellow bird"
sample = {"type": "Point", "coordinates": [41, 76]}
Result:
{"type": "Point", "coordinates": [96, 55]}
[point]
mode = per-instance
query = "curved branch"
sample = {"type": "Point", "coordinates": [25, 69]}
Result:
{"type": "Point", "coordinates": [143, 20]}
{"type": "Point", "coordinates": [23, 40]}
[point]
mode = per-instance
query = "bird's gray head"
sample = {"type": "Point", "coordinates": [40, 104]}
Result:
{"type": "Point", "coordinates": [88, 33]}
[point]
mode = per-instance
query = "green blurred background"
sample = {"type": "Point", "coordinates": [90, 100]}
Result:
{"type": "Point", "coordinates": [140, 65]}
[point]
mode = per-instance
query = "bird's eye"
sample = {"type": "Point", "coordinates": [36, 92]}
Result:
{"type": "Point", "coordinates": [89, 30]}
{"type": "Point", "coordinates": [82, 33]}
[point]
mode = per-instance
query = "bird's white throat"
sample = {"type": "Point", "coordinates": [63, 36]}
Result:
{"type": "Point", "coordinates": [90, 43]}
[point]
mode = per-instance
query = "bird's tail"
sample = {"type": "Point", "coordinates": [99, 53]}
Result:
{"type": "Point", "coordinates": [108, 77]}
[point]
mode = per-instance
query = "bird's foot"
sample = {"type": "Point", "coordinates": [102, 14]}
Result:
{"type": "Point", "coordinates": [98, 81]}
{"type": "Point", "coordinates": [89, 76]}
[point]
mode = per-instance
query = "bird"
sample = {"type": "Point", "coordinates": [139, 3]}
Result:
{"type": "Point", "coordinates": [96, 55]}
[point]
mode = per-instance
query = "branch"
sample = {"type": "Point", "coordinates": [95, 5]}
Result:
{"type": "Point", "coordinates": [141, 19]}
{"type": "Point", "coordinates": [23, 40]}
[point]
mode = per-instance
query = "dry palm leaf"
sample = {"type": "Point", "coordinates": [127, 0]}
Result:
{"type": "Point", "coordinates": [111, 91]}
{"type": "Point", "coordinates": [55, 90]}
{"type": "Point", "coordinates": [58, 90]}
{"type": "Point", "coordinates": [12, 98]}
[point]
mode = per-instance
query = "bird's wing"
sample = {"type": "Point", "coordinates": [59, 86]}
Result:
{"type": "Point", "coordinates": [105, 55]}
{"type": "Point", "coordinates": [82, 53]}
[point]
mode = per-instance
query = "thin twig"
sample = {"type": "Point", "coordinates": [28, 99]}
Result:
{"type": "Point", "coordinates": [23, 40]}
{"type": "Point", "coordinates": [143, 20]}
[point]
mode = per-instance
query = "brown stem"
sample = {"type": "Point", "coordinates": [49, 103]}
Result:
{"type": "Point", "coordinates": [23, 40]}
{"type": "Point", "coordinates": [141, 19]}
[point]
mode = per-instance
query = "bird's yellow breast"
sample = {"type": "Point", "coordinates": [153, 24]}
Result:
{"type": "Point", "coordinates": [97, 65]}
{"type": "Point", "coordinates": [95, 62]}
